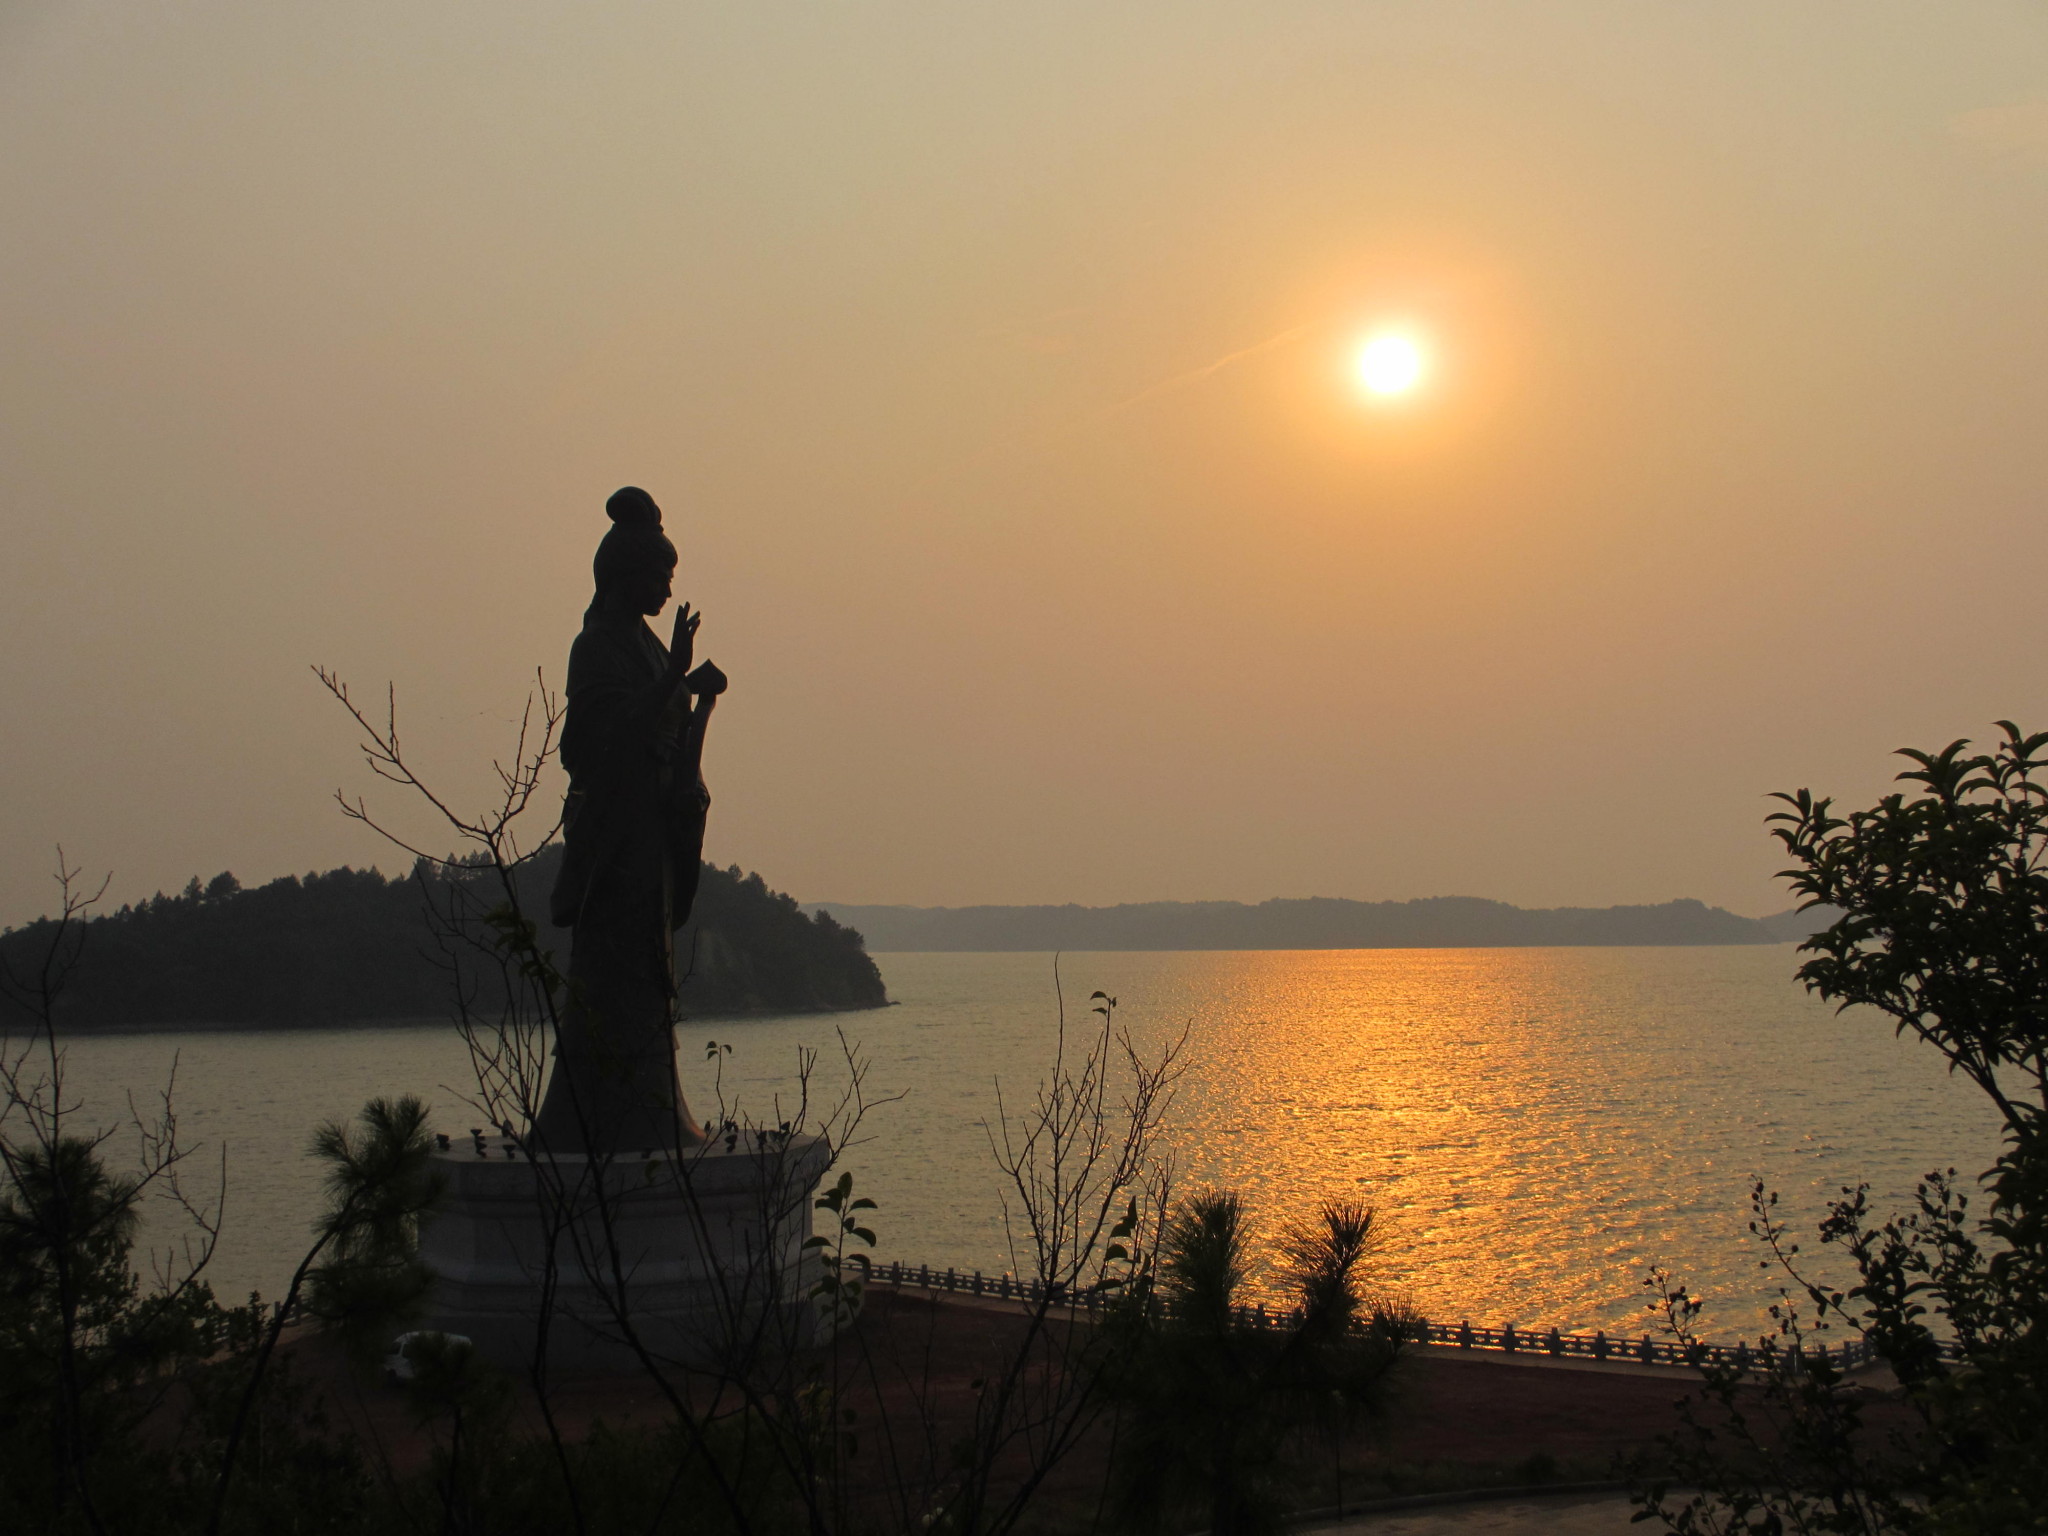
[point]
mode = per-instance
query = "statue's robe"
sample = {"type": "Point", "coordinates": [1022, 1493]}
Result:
{"type": "Point", "coordinates": [634, 837]}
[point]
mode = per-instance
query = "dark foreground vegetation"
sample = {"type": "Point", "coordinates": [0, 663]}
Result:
{"type": "Point", "coordinates": [350, 944]}
{"type": "Point", "coordinates": [1448, 1424]}
{"type": "Point", "coordinates": [175, 1415]}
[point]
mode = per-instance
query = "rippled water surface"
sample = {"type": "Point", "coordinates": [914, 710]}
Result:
{"type": "Point", "coordinates": [1537, 1125]}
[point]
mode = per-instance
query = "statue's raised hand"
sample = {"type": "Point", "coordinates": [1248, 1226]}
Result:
{"type": "Point", "coordinates": [682, 645]}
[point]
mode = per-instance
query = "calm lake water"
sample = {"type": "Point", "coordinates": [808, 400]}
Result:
{"type": "Point", "coordinates": [1537, 1126]}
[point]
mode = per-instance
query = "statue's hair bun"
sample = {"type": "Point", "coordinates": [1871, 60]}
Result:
{"type": "Point", "coordinates": [631, 507]}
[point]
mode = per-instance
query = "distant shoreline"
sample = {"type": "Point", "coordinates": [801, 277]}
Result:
{"type": "Point", "coordinates": [1312, 923]}
{"type": "Point", "coordinates": [1277, 949]}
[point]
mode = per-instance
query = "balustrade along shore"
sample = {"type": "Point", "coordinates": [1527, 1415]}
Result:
{"type": "Point", "coordinates": [1545, 1343]}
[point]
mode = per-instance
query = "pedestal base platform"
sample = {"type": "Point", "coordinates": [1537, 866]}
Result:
{"type": "Point", "coordinates": [698, 1256]}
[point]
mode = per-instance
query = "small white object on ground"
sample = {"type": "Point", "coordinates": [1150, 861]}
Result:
{"type": "Point", "coordinates": [398, 1363]}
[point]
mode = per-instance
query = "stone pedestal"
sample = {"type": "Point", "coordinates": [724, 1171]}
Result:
{"type": "Point", "coordinates": [700, 1254]}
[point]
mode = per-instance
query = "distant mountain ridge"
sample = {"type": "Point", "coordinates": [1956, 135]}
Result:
{"type": "Point", "coordinates": [1316, 922]}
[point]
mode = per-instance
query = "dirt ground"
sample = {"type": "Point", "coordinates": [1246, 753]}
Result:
{"type": "Point", "coordinates": [1479, 1409]}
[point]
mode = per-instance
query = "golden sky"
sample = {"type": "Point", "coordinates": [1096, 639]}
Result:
{"type": "Point", "coordinates": [994, 364]}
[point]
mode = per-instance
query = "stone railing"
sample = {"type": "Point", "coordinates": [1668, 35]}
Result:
{"type": "Point", "coordinates": [1550, 1343]}
{"type": "Point", "coordinates": [1540, 1343]}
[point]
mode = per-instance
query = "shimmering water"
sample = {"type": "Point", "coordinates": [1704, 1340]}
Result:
{"type": "Point", "coordinates": [1536, 1125]}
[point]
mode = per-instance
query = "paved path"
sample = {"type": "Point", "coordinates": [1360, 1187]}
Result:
{"type": "Point", "coordinates": [1580, 1514]}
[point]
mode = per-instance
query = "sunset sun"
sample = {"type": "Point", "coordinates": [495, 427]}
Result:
{"type": "Point", "coordinates": [1389, 363]}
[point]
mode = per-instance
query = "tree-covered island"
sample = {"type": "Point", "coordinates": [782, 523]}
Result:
{"type": "Point", "coordinates": [352, 944]}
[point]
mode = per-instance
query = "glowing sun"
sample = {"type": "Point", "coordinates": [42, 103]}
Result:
{"type": "Point", "coordinates": [1390, 363]}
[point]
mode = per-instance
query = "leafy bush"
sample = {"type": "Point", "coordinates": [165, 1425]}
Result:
{"type": "Point", "coordinates": [1943, 892]}
{"type": "Point", "coordinates": [1216, 1396]}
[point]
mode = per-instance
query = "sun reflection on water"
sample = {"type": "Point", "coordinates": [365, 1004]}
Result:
{"type": "Point", "coordinates": [1538, 1126]}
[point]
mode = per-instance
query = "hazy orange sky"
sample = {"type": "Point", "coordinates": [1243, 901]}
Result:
{"type": "Point", "coordinates": [991, 364]}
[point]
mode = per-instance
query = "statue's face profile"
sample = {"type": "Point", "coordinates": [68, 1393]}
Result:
{"type": "Point", "coordinates": [650, 585]}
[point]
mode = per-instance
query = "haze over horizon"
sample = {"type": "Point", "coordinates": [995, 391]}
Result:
{"type": "Point", "coordinates": [998, 372]}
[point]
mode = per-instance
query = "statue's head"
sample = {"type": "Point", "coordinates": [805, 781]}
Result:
{"type": "Point", "coordinates": [635, 565]}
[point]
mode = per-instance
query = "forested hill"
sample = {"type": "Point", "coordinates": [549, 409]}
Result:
{"type": "Point", "coordinates": [1439, 922]}
{"type": "Point", "coordinates": [351, 944]}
